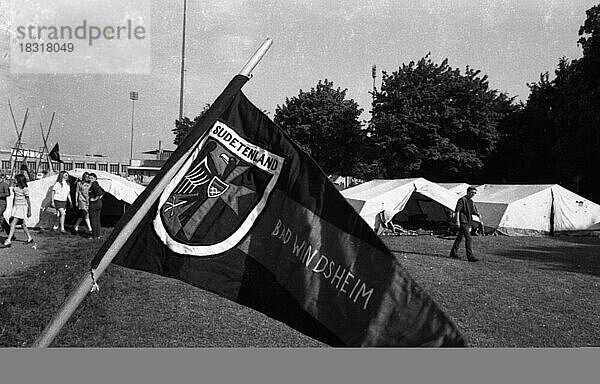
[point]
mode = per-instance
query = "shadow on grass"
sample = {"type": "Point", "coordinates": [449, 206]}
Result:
{"type": "Point", "coordinates": [582, 258]}
{"type": "Point", "coordinates": [587, 240]}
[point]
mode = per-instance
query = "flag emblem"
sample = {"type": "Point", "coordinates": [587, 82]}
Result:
{"type": "Point", "coordinates": [213, 201]}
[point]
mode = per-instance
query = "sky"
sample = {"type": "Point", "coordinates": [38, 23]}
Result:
{"type": "Point", "coordinates": [511, 41]}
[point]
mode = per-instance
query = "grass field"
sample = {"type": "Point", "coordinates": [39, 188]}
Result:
{"type": "Point", "coordinates": [526, 292]}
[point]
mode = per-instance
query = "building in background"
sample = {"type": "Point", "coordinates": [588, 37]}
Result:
{"type": "Point", "coordinates": [140, 170]}
{"type": "Point", "coordinates": [143, 170]}
{"type": "Point", "coordinates": [40, 167]}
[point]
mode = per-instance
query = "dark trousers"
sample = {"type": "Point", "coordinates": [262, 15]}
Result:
{"type": "Point", "coordinates": [94, 211]}
{"type": "Point", "coordinates": [464, 230]}
{"type": "Point", "coordinates": [2, 209]}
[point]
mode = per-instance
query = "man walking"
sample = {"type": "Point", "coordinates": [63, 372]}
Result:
{"type": "Point", "coordinates": [4, 193]}
{"type": "Point", "coordinates": [465, 209]}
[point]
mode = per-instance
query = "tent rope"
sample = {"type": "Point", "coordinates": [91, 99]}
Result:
{"type": "Point", "coordinates": [95, 286]}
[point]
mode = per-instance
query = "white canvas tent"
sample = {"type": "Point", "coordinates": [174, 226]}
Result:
{"type": "Point", "coordinates": [529, 210]}
{"type": "Point", "coordinates": [40, 193]}
{"type": "Point", "coordinates": [378, 200]}
{"type": "Point", "coordinates": [458, 188]}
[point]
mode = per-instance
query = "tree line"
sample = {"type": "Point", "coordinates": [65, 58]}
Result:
{"type": "Point", "coordinates": [434, 121]}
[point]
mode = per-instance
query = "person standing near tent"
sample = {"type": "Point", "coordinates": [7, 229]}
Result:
{"type": "Point", "coordinates": [4, 193]}
{"type": "Point", "coordinates": [465, 209]}
{"type": "Point", "coordinates": [95, 194]}
{"type": "Point", "coordinates": [21, 209]}
{"type": "Point", "coordinates": [61, 194]}
{"type": "Point", "coordinates": [82, 197]}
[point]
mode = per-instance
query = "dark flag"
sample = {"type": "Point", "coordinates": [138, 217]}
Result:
{"type": "Point", "coordinates": [252, 218]}
{"type": "Point", "coordinates": [54, 154]}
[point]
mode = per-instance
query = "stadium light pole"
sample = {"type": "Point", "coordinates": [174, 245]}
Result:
{"type": "Point", "coordinates": [133, 96]}
{"type": "Point", "coordinates": [182, 63]}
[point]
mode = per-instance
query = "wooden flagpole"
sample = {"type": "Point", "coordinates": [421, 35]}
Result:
{"type": "Point", "coordinates": [87, 282]}
{"type": "Point", "coordinates": [256, 58]}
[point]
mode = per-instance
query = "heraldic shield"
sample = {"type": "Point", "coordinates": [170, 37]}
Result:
{"type": "Point", "coordinates": [213, 201]}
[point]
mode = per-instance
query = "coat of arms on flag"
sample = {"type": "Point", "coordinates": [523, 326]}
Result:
{"type": "Point", "coordinates": [212, 202]}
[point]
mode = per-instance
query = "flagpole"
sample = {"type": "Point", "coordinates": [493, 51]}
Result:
{"type": "Point", "coordinates": [260, 52]}
{"type": "Point", "coordinates": [88, 280]}
{"type": "Point", "coordinates": [182, 63]}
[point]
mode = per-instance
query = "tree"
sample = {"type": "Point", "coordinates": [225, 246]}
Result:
{"type": "Point", "coordinates": [556, 134]}
{"type": "Point", "coordinates": [326, 125]}
{"type": "Point", "coordinates": [184, 126]}
{"type": "Point", "coordinates": [583, 107]}
{"type": "Point", "coordinates": [430, 120]}
{"type": "Point", "coordinates": [590, 34]}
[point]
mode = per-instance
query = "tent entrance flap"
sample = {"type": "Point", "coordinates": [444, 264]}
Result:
{"type": "Point", "coordinates": [421, 210]}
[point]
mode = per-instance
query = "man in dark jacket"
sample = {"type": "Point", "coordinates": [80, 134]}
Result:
{"type": "Point", "coordinates": [465, 209]}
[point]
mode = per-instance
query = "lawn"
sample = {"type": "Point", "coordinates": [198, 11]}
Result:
{"type": "Point", "coordinates": [526, 292]}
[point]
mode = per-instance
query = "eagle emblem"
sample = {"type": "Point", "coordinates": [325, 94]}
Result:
{"type": "Point", "coordinates": [213, 201]}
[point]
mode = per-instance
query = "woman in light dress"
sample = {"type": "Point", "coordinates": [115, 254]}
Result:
{"type": "Point", "coordinates": [21, 209]}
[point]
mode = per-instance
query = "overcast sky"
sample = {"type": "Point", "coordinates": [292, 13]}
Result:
{"type": "Point", "coordinates": [510, 41]}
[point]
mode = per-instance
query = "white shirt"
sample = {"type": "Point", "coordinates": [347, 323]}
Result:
{"type": "Point", "coordinates": [61, 191]}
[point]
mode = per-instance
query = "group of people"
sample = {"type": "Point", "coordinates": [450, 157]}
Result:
{"type": "Point", "coordinates": [88, 199]}
{"type": "Point", "coordinates": [88, 196]}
